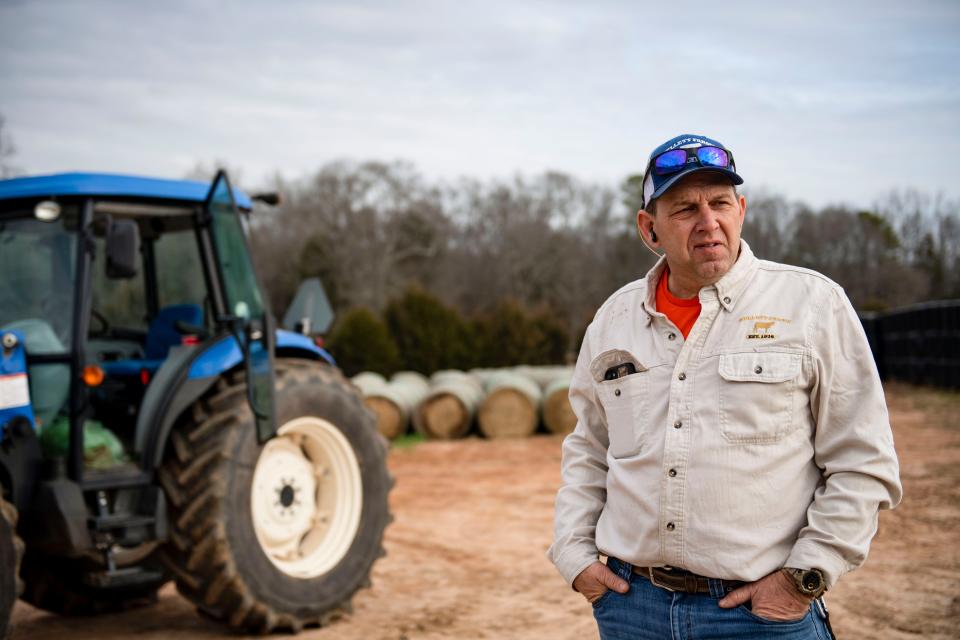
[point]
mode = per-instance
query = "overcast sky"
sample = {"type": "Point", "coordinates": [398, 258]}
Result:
{"type": "Point", "coordinates": [821, 101]}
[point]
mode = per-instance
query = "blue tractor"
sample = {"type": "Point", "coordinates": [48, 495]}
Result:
{"type": "Point", "coordinates": [156, 425]}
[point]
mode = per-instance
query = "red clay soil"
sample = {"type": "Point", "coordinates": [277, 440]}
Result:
{"type": "Point", "coordinates": [474, 517]}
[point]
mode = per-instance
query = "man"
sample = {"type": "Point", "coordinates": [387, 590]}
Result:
{"type": "Point", "coordinates": [733, 446]}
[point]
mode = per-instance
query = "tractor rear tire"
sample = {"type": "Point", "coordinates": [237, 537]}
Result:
{"type": "Point", "coordinates": [11, 552]}
{"type": "Point", "coordinates": [280, 535]}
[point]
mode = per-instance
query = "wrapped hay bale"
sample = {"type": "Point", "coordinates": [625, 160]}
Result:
{"type": "Point", "coordinates": [412, 387]}
{"type": "Point", "coordinates": [392, 414]}
{"type": "Point", "coordinates": [447, 411]}
{"type": "Point", "coordinates": [411, 377]}
{"type": "Point", "coordinates": [379, 399]}
{"type": "Point", "coordinates": [392, 402]}
{"type": "Point", "coordinates": [543, 375]}
{"type": "Point", "coordinates": [484, 375]}
{"type": "Point", "coordinates": [558, 415]}
{"type": "Point", "coordinates": [396, 402]}
{"type": "Point", "coordinates": [368, 381]}
{"type": "Point", "coordinates": [511, 406]}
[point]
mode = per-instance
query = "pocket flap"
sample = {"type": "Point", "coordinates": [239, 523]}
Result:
{"type": "Point", "coordinates": [759, 367]}
{"type": "Point", "coordinates": [612, 358]}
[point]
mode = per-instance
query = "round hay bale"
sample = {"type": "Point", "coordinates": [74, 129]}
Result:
{"type": "Point", "coordinates": [391, 416]}
{"type": "Point", "coordinates": [443, 416]}
{"type": "Point", "coordinates": [511, 406]}
{"type": "Point", "coordinates": [368, 382]}
{"type": "Point", "coordinates": [558, 415]}
{"type": "Point", "coordinates": [446, 375]}
{"type": "Point", "coordinates": [395, 402]}
{"type": "Point", "coordinates": [447, 411]}
{"type": "Point", "coordinates": [391, 419]}
{"type": "Point", "coordinates": [410, 388]}
{"type": "Point", "coordinates": [485, 375]}
{"type": "Point", "coordinates": [414, 377]}
{"type": "Point", "coordinates": [544, 374]}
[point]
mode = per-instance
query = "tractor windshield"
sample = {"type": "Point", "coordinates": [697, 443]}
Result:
{"type": "Point", "coordinates": [38, 262]}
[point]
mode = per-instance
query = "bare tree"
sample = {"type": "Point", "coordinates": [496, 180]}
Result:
{"type": "Point", "coordinates": [550, 241]}
{"type": "Point", "coordinates": [367, 230]}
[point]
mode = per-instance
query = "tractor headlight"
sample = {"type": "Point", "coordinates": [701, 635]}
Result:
{"type": "Point", "coordinates": [47, 211]}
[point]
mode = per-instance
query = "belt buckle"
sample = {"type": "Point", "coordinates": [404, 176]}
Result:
{"type": "Point", "coordinates": [654, 582]}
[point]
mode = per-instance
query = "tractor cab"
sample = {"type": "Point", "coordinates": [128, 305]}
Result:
{"type": "Point", "coordinates": [110, 280]}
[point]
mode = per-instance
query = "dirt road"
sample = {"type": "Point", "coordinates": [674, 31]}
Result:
{"type": "Point", "coordinates": [474, 517]}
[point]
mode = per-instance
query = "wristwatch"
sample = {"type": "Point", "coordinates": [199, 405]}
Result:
{"type": "Point", "coordinates": [809, 582]}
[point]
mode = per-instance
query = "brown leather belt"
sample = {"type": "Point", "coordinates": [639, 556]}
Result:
{"type": "Point", "coordinates": [674, 579]}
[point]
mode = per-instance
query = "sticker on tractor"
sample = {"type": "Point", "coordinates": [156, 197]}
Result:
{"type": "Point", "coordinates": [14, 391]}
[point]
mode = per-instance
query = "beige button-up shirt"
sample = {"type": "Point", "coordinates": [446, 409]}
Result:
{"type": "Point", "coordinates": [761, 441]}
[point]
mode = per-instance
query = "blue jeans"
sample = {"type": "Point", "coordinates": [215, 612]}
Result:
{"type": "Point", "coordinates": [647, 611]}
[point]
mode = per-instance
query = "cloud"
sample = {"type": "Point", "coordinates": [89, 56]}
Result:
{"type": "Point", "coordinates": [822, 101]}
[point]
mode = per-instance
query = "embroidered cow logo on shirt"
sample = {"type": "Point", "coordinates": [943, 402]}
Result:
{"type": "Point", "coordinates": [761, 327]}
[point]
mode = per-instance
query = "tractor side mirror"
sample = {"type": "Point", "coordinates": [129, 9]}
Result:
{"type": "Point", "coordinates": [123, 245]}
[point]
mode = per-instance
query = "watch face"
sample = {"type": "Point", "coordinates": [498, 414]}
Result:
{"type": "Point", "coordinates": [811, 581]}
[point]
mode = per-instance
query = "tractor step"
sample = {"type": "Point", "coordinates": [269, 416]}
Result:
{"type": "Point", "coordinates": [118, 578]}
{"type": "Point", "coordinates": [120, 477]}
{"type": "Point", "coordinates": [119, 521]}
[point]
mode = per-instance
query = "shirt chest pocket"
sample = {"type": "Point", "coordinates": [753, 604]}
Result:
{"type": "Point", "coordinates": [623, 401]}
{"type": "Point", "coordinates": [758, 396]}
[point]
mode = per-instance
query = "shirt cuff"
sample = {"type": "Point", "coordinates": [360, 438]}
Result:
{"type": "Point", "coordinates": [573, 561]}
{"type": "Point", "coordinates": [810, 554]}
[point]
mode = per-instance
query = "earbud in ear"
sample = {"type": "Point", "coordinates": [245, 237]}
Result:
{"type": "Point", "coordinates": [653, 235]}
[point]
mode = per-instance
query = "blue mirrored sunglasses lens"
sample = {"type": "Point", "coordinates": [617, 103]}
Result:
{"type": "Point", "coordinates": [713, 157]}
{"type": "Point", "coordinates": [670, 161]}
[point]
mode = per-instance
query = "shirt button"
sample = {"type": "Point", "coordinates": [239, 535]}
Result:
{"type": "Point", "coordinates": [682, 376]}
{"type": "Point", "coordinates": [677, 424]}
{"type": "Point", "coordinates": [616, 392]}
{"type": "Point", "coordinates": [759, 369]}
{"type": "Point", "coordinates": [726, 300]}
{"type": "Point", "coordinates": [671, 526]}
{"type": "Point", "coordinates": [671, 336]}
{"type": "Point", "coordinates": [672, 473]}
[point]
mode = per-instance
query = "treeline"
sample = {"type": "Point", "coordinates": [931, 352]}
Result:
{"type": "Point", "coordinates": [557, 247]}
{"type": "Point", "coordinates": [370, 231]}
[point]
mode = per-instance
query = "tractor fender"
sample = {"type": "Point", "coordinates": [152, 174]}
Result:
{"type": "Point", "coordinates": [297, 345]}
{"type": "Point", "coordinates": [225, 354]}
{"type": "Point", "coordinates": [187, 374]}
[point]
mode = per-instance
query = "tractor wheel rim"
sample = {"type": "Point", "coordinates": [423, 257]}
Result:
{"type": "Point", "coordinates": [307, 497]}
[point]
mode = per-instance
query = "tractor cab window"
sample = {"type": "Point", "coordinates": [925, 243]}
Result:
{"type": "Point", "coordinates": [141, 318]}
{"type": "Point", "coordinates": [180, 279]}
{"type": "Point", "coordinates": [38, 262]}
{"type": "Point", "coordinates": [115, 303]}
{"type": "Point", "coordinates": [239, 278]}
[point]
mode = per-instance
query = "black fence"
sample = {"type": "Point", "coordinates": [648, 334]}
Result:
{"type": "Point", "coordinates": [918, 344]}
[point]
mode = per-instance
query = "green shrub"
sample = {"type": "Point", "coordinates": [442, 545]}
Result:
{"type": "Point", "coordinates": [553, 346]}
{"type": "Point", "coordinates": [361, 342]}
{"type": "Point", "coordinates": [511, 335]}
{"type": "Point", "coordinates": [430, 335]}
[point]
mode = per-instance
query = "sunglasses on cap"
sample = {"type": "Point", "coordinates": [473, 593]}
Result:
{"type": "Point", "coordinates": [707, 156]}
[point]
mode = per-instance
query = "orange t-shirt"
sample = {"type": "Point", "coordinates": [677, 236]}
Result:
{"type": "Point", "coordinates": [683, 312]}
